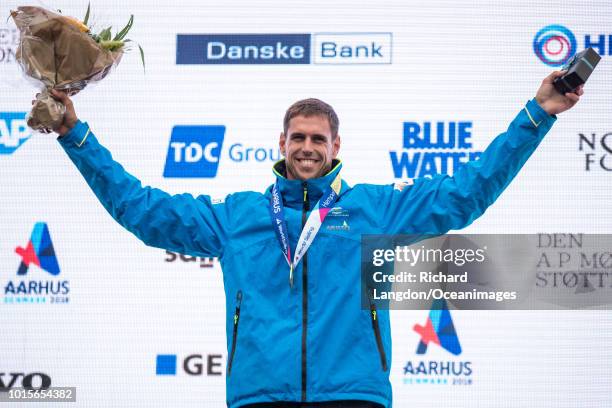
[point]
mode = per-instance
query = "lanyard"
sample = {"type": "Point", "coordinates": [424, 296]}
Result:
{"type": "Point", "coordinates": [311, 228]}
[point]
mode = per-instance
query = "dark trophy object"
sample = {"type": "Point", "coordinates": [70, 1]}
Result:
{"type": "Point", "coordinates": [579, 68]}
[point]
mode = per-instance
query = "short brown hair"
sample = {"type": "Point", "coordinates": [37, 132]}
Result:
{"type": "Point", "coordinates": [313, 107]}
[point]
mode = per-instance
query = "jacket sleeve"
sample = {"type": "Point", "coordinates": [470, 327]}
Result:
{"type": "Point", "coordinates": [442, 203]}
{"type": "Point", "coordinates": [180, 223]}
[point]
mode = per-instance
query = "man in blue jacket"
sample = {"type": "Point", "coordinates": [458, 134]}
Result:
{"type": "Point", "coordinates": [296, 333]}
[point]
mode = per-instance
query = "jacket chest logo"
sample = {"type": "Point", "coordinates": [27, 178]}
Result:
{"type": "Point", "coordinates": [337, 220]}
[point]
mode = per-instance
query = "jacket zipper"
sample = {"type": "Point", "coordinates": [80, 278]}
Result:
{"type": "Point", "coordinates": [235, 332]}
{"type": "Point", "coordinates": [305, 208]}
{"type": "Point", "coordinates": [379, 343]}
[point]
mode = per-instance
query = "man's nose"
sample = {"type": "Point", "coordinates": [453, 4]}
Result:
{"type": "Point", "coordinates": [307, 146]}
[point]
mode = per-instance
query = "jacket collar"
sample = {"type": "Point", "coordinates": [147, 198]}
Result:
{"type": "Point", "coordinates": [292, 191]}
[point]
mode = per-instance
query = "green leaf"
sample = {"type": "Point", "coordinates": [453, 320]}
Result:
{"type": "Point", "coordinates": [121, 34]}
{"type": "Point", "coordinates": [86, 19]}
{"type": "Point", "coordinates": [105, 35]}
{"type": "Point", "coordinates": [142, 59]}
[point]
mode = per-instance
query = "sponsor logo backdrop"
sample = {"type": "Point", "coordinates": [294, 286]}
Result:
{"type": "Point", "coordinates": [419, 89]}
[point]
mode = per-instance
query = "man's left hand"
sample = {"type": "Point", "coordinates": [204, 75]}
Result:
{"type": "Point", "coordinates": [551, 100]}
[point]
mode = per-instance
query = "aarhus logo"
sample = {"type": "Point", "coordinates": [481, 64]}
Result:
{"type": "Point", "coordinates": [194, 151]}
{"type": "Point", "coordinates": [439, 330]}
{"type": "Point", "coordinates": [554, 45]}
{"type": "Point", "coordinates": [14, 131]}
{"type": "Point", "coordinates": [38, 252]}
{"type": "Point", "coordinates": [433, 148]}
{"type": "Point", "coordinates": [318, 48]}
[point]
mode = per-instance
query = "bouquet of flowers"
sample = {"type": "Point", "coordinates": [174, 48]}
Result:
{"type": "Point", "coordinates": [61, 52]}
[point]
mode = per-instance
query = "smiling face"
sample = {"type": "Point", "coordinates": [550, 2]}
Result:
{"type": "Point", "coordinates": [308, 147]}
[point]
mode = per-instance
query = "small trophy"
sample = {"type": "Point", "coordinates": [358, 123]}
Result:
{"type": "Point", "coordinates": [579, 68]}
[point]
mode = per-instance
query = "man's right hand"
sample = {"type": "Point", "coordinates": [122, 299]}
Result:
{"type": "Point", "coordinates": [70, 117]}
{"type": "Point", "coordinates": [551, 100]}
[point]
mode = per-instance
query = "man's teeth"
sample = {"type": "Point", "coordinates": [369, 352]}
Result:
{"type": "Point", "coordinates": [307, 162]}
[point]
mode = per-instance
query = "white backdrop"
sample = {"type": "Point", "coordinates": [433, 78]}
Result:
{"type": "Point", "coordinates": [449, 62]}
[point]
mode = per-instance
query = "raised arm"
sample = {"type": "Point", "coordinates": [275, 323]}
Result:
{"type": "Point", "coordinates": [179, 223]}
{"type": "Point", "coordinates": [443, 203]}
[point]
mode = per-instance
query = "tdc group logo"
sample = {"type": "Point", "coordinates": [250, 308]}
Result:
{"type": "Point", "coordinates": [195, 152]}
{"type": "Point", "coordinates": [555, 44]}
{"type": "Point", "coordinates": [438, 330]}
{"type": "Point", "coordinates": [39, 253]}
{"type": "Point", "coordinates": [318, 48]}
{"type": "Point", "coordinates": [14, 131]}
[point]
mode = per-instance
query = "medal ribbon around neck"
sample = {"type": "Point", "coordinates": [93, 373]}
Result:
{"type": "Point", "coordinates": [311, 228]}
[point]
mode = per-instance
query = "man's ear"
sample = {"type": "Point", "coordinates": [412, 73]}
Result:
{"type": "Point", "coordinates": [335, 146]}
{"type": "Point", "coordinates": [281, 143]}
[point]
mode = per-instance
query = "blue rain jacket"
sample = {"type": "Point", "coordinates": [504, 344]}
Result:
{"type": "Point", "coordinates": [313, 342]}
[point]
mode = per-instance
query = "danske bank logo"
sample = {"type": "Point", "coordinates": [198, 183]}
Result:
{"type": "Point", "coordinates": [317, 48]}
